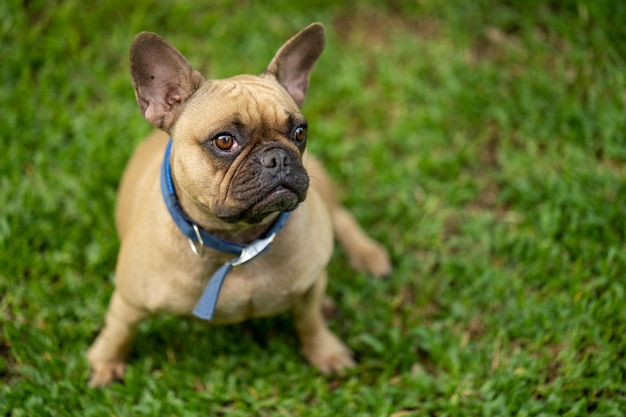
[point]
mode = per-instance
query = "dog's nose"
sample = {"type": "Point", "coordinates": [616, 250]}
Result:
{"type": "Point", "coordinates": [275, 159]}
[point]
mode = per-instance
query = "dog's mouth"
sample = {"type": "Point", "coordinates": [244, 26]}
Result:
{"type": "Point", "coordinates": [281, 195]}
{"type": "Point", "coordinates": [282, 198]}
{"type": "Point", "coordinates": [279, 199]}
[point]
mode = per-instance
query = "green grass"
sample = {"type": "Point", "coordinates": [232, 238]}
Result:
{"type": "Point", "coordinates": [483, 142]}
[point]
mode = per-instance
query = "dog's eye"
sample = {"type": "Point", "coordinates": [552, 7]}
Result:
{"type": "Point", "coordinates": [225, 142]}
{"type": "Point", "coordinates": [299, 135]}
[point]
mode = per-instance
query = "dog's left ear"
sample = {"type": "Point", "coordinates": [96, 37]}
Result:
{"type": "Point", "coordinates": [162, 78]}
{"type": "Point", "coordinates": [294, 61]}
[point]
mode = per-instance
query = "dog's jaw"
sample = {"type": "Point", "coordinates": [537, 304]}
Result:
{"type": "Point", "coordinates": [279, 200]}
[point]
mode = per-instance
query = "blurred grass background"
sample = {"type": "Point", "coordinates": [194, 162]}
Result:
{"type": "Point", "coordinates": [483, 142]}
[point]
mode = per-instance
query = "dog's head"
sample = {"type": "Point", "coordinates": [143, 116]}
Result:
{"type": "Point", "coordinates": [238, 142]}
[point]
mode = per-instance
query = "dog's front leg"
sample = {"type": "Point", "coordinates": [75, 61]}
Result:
{"type": "Point", "coordinates": [108, 353]}
{"type": "Point", "coordinates": [320, 346]}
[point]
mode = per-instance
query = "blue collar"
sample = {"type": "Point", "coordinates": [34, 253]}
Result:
{"type": "Point", "coordinates": [199, 238]}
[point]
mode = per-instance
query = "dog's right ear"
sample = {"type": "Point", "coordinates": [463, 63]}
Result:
{"type": "Point", "coordinates": [294, 61]}
{"type": "Point", "coordinates": [162, 78]}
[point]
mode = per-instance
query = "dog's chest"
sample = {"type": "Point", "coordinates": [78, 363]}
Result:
{"type": "Point", "coordinates": [258, 292]}
{"type": "Point", "coordinates": [267, 285]}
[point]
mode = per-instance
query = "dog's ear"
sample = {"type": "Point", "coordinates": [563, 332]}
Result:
{"type": "Point", "coordinates": [294, 61]}
{"type": "Point", "coordinates": [162, 78]}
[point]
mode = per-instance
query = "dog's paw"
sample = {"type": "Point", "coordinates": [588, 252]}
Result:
{"type": "Point", "coordinates": [105, 373]}
{"type": "Point", "coordinates": [328, 354]}
{"type": "Point", "coordinates": [371, 257]}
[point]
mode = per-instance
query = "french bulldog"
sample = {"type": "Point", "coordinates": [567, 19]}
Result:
{"type": "Point", "coordinates": [221, 213]}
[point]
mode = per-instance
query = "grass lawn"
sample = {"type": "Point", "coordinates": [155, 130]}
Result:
{"type": "Point", "coordinates": [484, 142]}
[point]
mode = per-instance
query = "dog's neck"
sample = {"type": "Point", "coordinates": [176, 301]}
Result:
{"type": "Point", "coordinates": [239, 232]}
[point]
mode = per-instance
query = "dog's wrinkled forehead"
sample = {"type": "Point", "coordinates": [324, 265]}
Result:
{"type": "Point", "coordinates": [242, 100]}
{"type": "Point", "coordinates": [259, 98]}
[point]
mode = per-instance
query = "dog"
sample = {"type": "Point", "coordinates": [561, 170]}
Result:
{"type": "Point", "coordinates": [221, 213]}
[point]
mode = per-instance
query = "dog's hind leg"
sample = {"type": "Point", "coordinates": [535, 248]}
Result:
{"type": "Point", "coordinates": [365, 254]}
